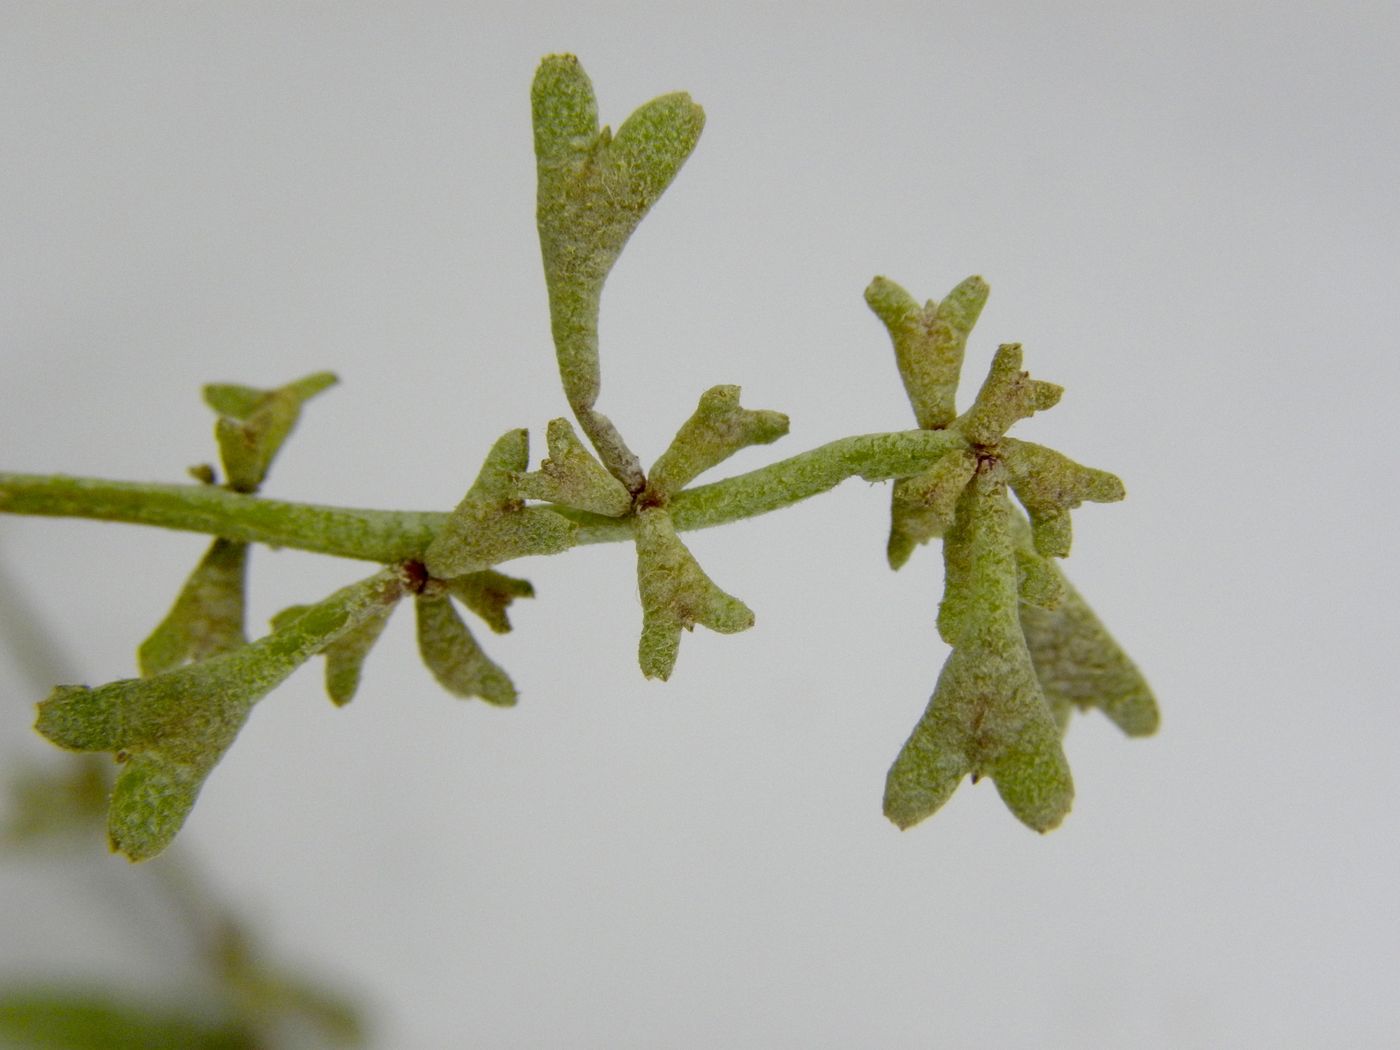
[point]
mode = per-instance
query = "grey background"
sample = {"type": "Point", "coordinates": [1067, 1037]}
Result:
{"type": "Point", "coordinates": [1187, 213]}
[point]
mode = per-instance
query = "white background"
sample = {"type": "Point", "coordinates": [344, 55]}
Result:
{"type": "Point", "coordinates": [1187, 213]}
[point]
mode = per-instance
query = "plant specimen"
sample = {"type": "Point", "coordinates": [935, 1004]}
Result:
{"type": "Point", "coordinates": [1026, 649]}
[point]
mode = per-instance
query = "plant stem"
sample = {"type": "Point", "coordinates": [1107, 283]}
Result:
{"type": "Point", "coordinates": [392, 536]}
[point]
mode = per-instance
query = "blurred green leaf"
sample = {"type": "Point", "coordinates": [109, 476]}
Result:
{"type": "Point", "coordinates": [489, 594]}
{"type": "Point", "coordinates": [170, 730]}
{"type": "Point", "coordinates": [77, 1019]}
{"type": "Point", "coordinates": [254, 423]}
{"type": "Point", "coordinates": [207, 617]}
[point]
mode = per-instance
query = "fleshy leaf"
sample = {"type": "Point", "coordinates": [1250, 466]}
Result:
{"type": "Point", "coordinates": [170, 730]}
{"type": "Point", "coordinates": [1007, 394]}
{"type": "Point", "coordinates": [987, 716]}
{"type": "Point", "coordinates": [452, 655]}
{"type": "Point", "coordinates": [345, 657]}
{"type": "Point", "coordinates": [1079, 663]}
{"type": "Point", "coordinates": [573, 478]}
{"type": "Point", "coordinates": [1049, 485]}
{"type": "Point", "coordinates": [929, 342]}
{"type": "Point", "coordinates": [717, 429]}
{"type": "Point", "coordinates": [492, 524]}
{"type": "Point", "coordinates": [254, 423]}
{"type": "Point", "coordinates": [922, 506]}
{"type": "Point", "coordinates": [207, 617]}
{"type": "Point", "coordinates": [676, 594]}
{"type": "Point", "coordinates": [489, 594]}
{"type": "Point", "coordinates": [593, 191]}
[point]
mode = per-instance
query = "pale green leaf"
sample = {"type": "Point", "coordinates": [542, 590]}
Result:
{"type": "Point", "coordinates": [573, 478]}
{"type": "Point", "coordinates": [207, 617]}
{"type": "Point", "coordinates": [929, 342]}
{"type": "Point", "coordinates": [717, 429]}
{"type": "Point", "coordinates": [676, 594]}
{"type": "Point", "coordinates": [489, 594]}
{"type": "Point", "coordinates": [452, 655]}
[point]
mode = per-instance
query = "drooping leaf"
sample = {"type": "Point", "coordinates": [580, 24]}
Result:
{"type": "Point", "coordinates": [1078, 662]}
{"type": "Point", "coordinates": [988, 715]}
{"type": "Point", "coordinates": [207, 617]}
{"type": "Point", "coordinates": [489, 594]}
{"type": "Point", "coordinates": [452, 655]}
{"type": "Point", "coordinates": [573, 478]}
{"type": "Point", "coordinates": [676, 594]}
{"type": "Point", "coordinates": [717, 429]}
{"type": "Point", "coordinates": [921, 506]}
{"type": "Point", "coordinates": [170, 730]}
{"type": "Point", "coordinates": [345, 657]}
{"type": "Point", "coordinates": [1050, 485]}
{"type": "Point", "coordinates": [492, 524]}
{"type": "Point", "coordinates": [929, 342]}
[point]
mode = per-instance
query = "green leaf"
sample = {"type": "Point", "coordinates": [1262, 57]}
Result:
{"type": "Point", "coordinates": [489, 594]}
{"type": "Point", "coordinates": [593, 191]}
{"type": "Point", "coordinates": [1007, 395]}
{"type": "Point", "coordinates": [676, 594]}
{"type": "Point", "coordinates": [1080, 665]}
{"type": "Point", "coordinates": [1049, 485]}
{"type": "Point", "coordinates": [207, 617]}
{"type": "Point", "coordinates": [170, 730]}
{"type": "Point", "coordinates": [717, 429]}
{"type": "Point", "coordinates": [922, 506]}
{"type": "Point", "coordinates": [59, 1018]}
{"type": "Point", "coordinates": [492, 524]}
{"type": "Point", "coordinates": [987, 716]}
{"type": "Point", "coordinates": [573, 478]}
{"type": "Point", "coordinates": [254, 423]}
{"type": "Point", "coordinates": [452, 655]}
{"type": "Point", "coordinates": [929, 342]}
{"type": "Point", "coordinates": [345, 657]}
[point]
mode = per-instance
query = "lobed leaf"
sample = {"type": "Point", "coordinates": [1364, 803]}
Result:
{"type": "Point", "coordinates": [1007, 395]}
{"type": "Point", "coordinates": [573, 478]}
{"type": "Point", "coordinates": [929, 342]}
{"type": "Point", "coordinates": [492, 524]}
{"type": "Point", "coordinates": [1049, 485]}
{"type": "Point", "coordinates": [988, 715]}
{"type": "Point", "coordinates": [593, 190]}
{"type": "Point", "coordinates": [718, 428]}
{"type": "Point", "coordinates": [254, 423]}
{"type": "Point", "coordinates": [170, 730]}
{"type": "Point", "coordinates": [675, 594]}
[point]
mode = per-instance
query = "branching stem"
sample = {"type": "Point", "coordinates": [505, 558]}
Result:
{"type": "Point", "coordinates": [392, 536]}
